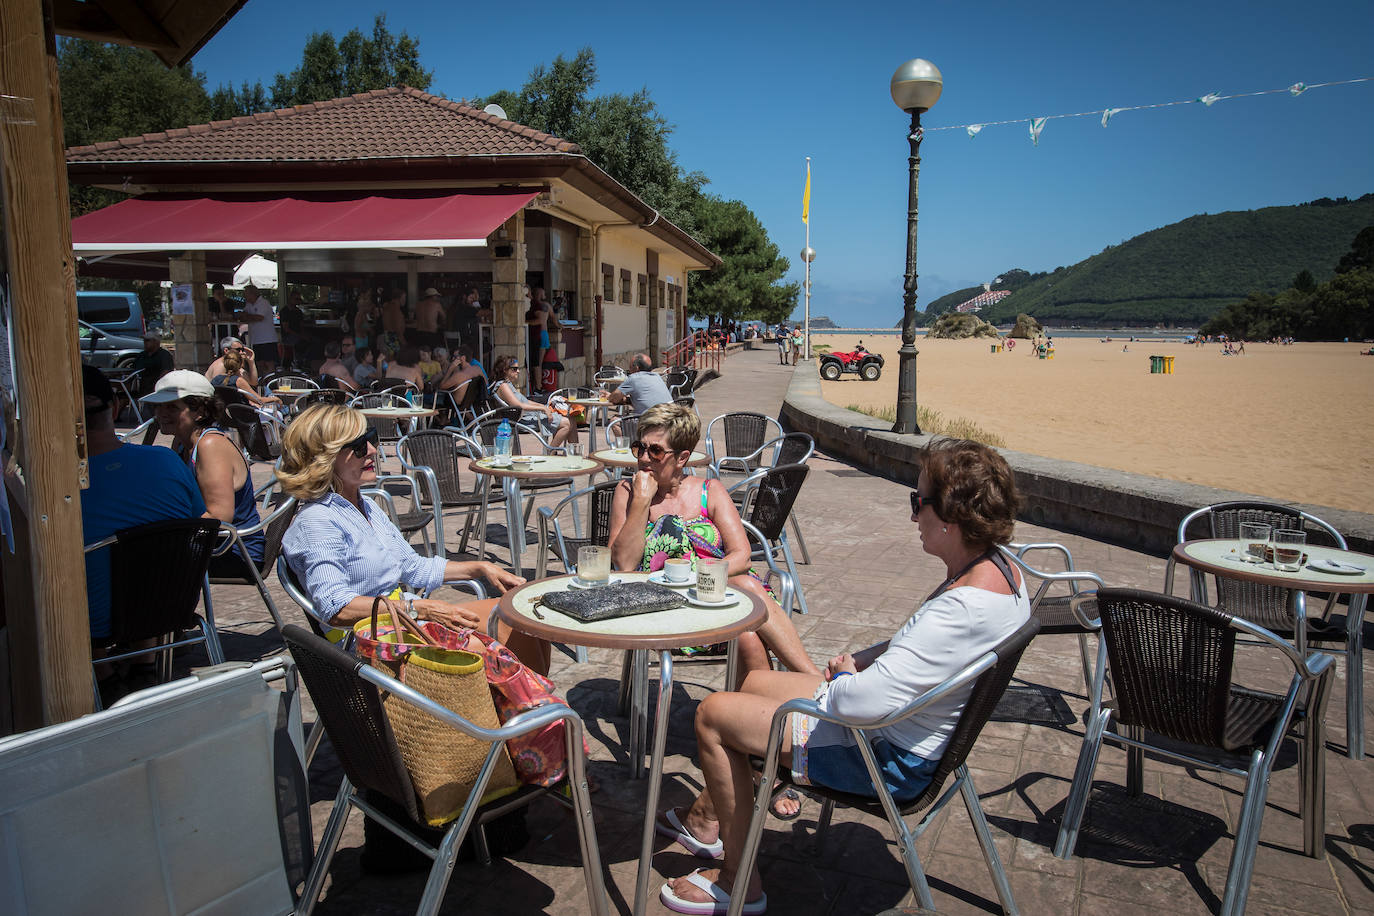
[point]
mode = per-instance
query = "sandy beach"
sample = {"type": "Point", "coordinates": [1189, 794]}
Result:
{"type": "Point", "coordinates": [1292, 423]}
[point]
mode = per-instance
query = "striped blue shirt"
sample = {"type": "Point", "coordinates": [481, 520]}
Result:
{"type": "Point", "coordinates": [338, 554]}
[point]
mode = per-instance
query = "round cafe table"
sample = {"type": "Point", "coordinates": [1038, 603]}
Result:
{"type": "Point", "coordinates": [1224, 557]}
{"type": "Point", "coordinates": [540, 467]}
{"type": "Point", "coordinates": [398, 413]}
{"type": "Point", "coordinates": [662, 632]}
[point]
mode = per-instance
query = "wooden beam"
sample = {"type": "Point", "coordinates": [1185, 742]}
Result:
{"type": "Point", "coordinates": [52, 630]}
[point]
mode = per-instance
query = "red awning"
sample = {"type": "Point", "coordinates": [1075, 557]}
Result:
{"type": "Point", "coordinates": [259, 221]}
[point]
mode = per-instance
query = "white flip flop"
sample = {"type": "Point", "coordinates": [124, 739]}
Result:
{"type": "Point", "coordinates": [678, 831]}
{"type": "Point", "coordinates": [719, 904]}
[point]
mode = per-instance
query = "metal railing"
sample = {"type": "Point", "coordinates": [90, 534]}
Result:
{"type": "Point", "coordinates": [686, 353]}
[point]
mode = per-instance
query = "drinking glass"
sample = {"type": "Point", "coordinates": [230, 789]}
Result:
{"type": "Point", "coordinates": [594, 565]}
{"type": "Point", "coordinates": [572, 449]}
{"type": "Point", "coordinates": [1254, 537]}
{"type": "Point", "coordinates": [1288, 544]}
{"type": "Point", "coordinates": [622, 445]}
{"type": "Point", "coordinates": [711, 578]}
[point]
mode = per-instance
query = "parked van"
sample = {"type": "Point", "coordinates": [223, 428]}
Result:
{"type": "Point", "coordinates": [116, 312]}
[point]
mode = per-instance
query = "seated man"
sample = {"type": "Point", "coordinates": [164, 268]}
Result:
{"type": "Point", "coordinates": [333, 368]}
{"type": "Point", "coordinates": [462, 370]}
{"type": "Point", "coordinates": [644, 388]}
{"type": "Point", "coordinates": [153, 363]}
{"type": "Point", "coordinates": [249, 369]}
{"type": "Point", "coordinates": [130, 485]}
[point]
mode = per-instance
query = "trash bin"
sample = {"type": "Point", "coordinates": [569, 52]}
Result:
{"type": "Point", "coordinates": [1168, 365]}
{"type": "Point", "coordinates": [1156, 365]}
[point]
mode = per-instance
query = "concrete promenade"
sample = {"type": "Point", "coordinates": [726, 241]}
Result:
{"type": "Point", "coordinates": [1168, 850]}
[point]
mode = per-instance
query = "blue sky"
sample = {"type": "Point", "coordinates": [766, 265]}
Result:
{"type": "Point", "coordinates": [753, 89]}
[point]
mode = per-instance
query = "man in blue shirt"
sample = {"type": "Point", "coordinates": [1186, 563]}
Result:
{"type": "Point", "coordinates": [130, 485]}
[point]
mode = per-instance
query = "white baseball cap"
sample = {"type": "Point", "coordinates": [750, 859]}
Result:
{"type": "Point", "coordinates": [180, 383]}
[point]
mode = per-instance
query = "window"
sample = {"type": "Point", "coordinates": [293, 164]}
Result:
{"type": "Point", "coordinates": [643, 299]}
{"type": "Point", "coordinates": [607, 283]}
{"type": "Point", "coordinates": [624, 285]}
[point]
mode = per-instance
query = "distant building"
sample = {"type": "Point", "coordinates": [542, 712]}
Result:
{"type": "Point", "coordinates": [982, 299]}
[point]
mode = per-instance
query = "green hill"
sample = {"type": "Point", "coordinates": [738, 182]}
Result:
{"type": "Point", "coordinates": [1186, 272]}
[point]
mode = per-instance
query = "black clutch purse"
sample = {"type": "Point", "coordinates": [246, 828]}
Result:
{"type": "Point", "coordinates": [611, 601]}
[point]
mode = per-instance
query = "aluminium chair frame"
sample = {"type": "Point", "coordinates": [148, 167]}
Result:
{"type": "Point", "coordinates": [232, 539]}
{"type": "Point", "coordinates": [1314, 669]}
{"type": "Point", "coordinates": [446, 853]}
{"type": "Point", "coordinates": [753, 462]}
{"type": "Point", "coordinates": [438, 502]}
{"type": "Point", "coordinates": [906, 837]}
{"type": "Point", "coordinates": [749, 487]}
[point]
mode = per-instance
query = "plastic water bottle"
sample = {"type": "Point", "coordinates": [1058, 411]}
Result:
{"type": "Point", "coordinates": [503, 443]}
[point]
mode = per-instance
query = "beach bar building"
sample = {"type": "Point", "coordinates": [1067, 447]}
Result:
{"type": "Point", "coordinates": [394, 189]}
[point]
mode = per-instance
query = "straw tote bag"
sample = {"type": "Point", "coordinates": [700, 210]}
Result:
{"type": "Point", "coordinates": [443, 762]}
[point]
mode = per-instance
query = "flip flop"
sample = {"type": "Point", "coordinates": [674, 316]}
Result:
{"type": "Point", "coordinates": [720, 900]}
{"type": "Point", "coordinates": [790, 794]}
{"type": "Point", "coordinates": [678, 831]}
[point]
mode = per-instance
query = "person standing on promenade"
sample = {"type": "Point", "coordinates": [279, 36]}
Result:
{"type": "Point", "coordinates": [783, 339]}
{"type": "Point", "coordinates": [798, 341]}
{"type": "Point", "coordinates": [262, 327]}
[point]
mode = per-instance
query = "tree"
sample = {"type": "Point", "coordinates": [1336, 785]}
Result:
{"type": "Point", "coordinates": [1361, 253]}
{"type": "Point", "coordinates": [746, 287]}
{"type": "Point", "coordinates": [356, 63]}
{"type": "Point", "coordinates": [226, 103]}
{"type": "Point", "coordinates": [1304, 282]}
{"type": "Point", "coordinates": [113, 91]}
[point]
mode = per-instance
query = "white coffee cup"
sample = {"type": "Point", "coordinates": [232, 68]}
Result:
{"type": "Point", "coordinates": [677, 570]}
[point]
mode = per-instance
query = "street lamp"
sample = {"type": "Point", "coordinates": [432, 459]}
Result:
{"type": "Point", "coordinates": [916, 87]}
{"type": "Point", "coordinates": [808, 254]}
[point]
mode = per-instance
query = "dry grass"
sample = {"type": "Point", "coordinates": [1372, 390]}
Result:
{"type": "Point", "coordinates": [934, 423]}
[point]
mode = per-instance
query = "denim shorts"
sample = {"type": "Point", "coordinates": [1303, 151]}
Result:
{"type": "Point", "coordinates": [841, 766]}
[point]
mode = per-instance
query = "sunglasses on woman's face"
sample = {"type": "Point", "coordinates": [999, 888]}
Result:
{"type": "Point", "coordinates": [359, 445]}
{"type": "Point", "coordinates": [656, 451]}
{"type": "Point", "coordinates": [917, 501]}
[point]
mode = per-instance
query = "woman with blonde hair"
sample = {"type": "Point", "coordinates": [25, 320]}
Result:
{"type": "Point", "coordinates": [345, 551]}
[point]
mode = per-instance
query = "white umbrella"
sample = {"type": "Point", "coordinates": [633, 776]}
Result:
{"type": "Point", "coordinates": [258, 271]}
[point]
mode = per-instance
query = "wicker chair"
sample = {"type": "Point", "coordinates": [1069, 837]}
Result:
{"type": "Point", "coordinates": [732, 435]}
{"type": "Point", "coordinates": [273, 526]}
{"type": "Point", "coordinates": [259, 434]}
{"type": "Point", "coordinates": [388, 430]}
{"type": "Point", "coordinates": [769, 495]}
{"type": "Point", "coordinates": [345, 692]}
{"type": "Point", "coordinates": [1273, 607]}
{"type": "Point", "coordinates": [438, 458]}
{"type": "Point", "coordinates": [790, 448]}
{"type": "Point", "coordinates": [988, 676]}
{"type": "Point", "coordinates": [337, 396]}
{"type": "Point", "coordinates": [1171, 663]}
{"type": "Point", "coordinates": [176, 555]}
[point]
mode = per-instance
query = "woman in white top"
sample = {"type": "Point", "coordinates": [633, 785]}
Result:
{"type": "Point", "coordinates": [964, 506]}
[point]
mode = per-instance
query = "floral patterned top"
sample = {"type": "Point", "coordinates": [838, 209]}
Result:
{"type": "Point", "coordinates": [671, 536]}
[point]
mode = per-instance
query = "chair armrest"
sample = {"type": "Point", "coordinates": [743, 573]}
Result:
{"type": "Point", "coordinates": [967, 675]}
{"type": "Point", "coordinates": [387, 502]}
{"type": "Point", "coordinates": [1020, 550]}
{"type": "Point", "coordinates": [271, 517]}
{"type": "Point", "coordinates": [473, 585]}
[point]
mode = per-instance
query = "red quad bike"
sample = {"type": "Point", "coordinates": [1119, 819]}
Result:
{"type": "Point", "coordinates": [869, 366]}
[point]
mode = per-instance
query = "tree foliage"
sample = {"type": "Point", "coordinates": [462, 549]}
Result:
{"type": "Point", "coordinates": [746, 286]}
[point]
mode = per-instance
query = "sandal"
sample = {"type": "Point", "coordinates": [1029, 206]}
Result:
{"type": "Point", "coordinates": [719, 904]}
{"type": "Point", "coordinates": [790, 794]}
{"type": "Point", "coordinates": [675, 829]}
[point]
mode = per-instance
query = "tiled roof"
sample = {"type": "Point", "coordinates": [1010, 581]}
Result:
{"type": "Point", "coordinates": [382, 124]}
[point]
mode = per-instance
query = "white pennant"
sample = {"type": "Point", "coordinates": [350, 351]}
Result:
{"type": "Point", "coordinates": [1297, 89]}
{"type": "Point", "coordinates": [1210, 98]}
{"type": "Point", "coordinates": [973, 129]}
{"type": "Point", "coordinates": [1107, 114]}
{"type": "Point", "coordinates": [1036, 126]}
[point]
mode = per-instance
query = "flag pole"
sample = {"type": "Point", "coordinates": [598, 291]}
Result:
{"type": "Point", "coordinates": [806, 220]}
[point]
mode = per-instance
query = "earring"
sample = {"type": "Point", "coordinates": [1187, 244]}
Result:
{"type": "Point", "coordinates": [944, 530]}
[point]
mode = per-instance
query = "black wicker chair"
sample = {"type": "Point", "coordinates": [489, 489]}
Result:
{"type": "Point", "coordinates": [989, 676]}
{"type": "Point", "coordinates": [1272, 607]}
{"type": "Point", "coordinates": [438, 458]}
{"type": "Point", "coordinates": [769, 495]}
{"type": "Point", "coordinates": [733, 435]}
{"type": "Point", "coordinates": [337, 396]}
{"type": "Point", "coordinates": [1171, 664]}
{"type": "Point", "coordinates": [175, 555]}
{"type": "Point", "coordinates": [345, 692]}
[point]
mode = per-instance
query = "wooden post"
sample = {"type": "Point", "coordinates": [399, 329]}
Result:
{"type": "Point", "coordinates": [49, 627]}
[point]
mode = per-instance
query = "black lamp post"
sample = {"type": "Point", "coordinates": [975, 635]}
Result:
{"type": "Point", "coordinates": [916, 88]}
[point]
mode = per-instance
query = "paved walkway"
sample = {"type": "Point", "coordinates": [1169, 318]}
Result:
{"type": "Point", "coordinates": [1168, 850]}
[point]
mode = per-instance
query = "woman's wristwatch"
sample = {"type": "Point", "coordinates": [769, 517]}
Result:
{"type": "Point", "coordinates": [410, 608]}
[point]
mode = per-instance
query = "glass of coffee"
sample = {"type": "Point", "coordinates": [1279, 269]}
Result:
{"type": "Point", "coordinates": [1288, 544]}
{"type": "Point", "coordinates": [593, 565]}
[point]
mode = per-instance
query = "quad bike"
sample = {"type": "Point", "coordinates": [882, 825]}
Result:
{"type": "Point", "coordinates": [868, 366]}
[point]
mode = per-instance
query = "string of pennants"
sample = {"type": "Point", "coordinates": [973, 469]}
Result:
{"type": "Point", "coordinates": [1036, 125]}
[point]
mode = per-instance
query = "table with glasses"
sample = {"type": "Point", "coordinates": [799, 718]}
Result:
{"type": "Point", "coordinates": [537, 467]}
{"type": "Point", "coordinates": [593, 406]}
{"type": "Point", "coordinates": [396, 413]}
{"type": "Point", "coordinates": [659, 632]}
{"type": "Point", "coordinates": [1224, 557]}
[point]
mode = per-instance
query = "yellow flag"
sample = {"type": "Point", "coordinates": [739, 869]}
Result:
{"type": "Point", "coordinates": [806, 195]}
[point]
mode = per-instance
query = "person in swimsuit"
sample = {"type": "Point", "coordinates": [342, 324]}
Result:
{"type": "Point", "coordinates": [187, 410]}
{"type": "Point", "coordinates": [660, 513]}
{"type": "Point", "coordinates": [964, 506]}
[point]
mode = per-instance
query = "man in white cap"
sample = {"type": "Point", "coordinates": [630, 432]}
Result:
{"type": "Point", "coordinates": [429, 320]}
{"type": "Point", "coordinates": [262, 327]}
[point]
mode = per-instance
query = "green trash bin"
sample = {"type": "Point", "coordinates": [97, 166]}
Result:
{"type": "Point", "coordinates": [1156, 365]}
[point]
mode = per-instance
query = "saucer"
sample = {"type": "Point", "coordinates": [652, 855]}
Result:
{"type": "Point", "coordinates": [575, 582]}
{"type": "Point", "coordinates": [1337, 567]}
{"type": "Point", "coordinates": [660, 578]}
{"type": "Point", "coordinates": [731, 597]}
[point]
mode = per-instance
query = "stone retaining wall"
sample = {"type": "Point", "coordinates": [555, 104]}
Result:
{"type": "Point", "coordinates": [1115, 506]}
